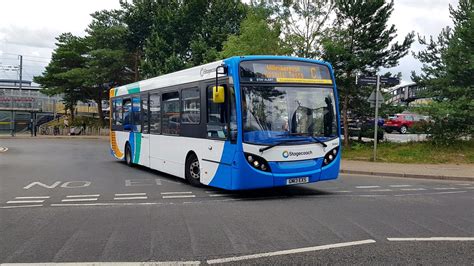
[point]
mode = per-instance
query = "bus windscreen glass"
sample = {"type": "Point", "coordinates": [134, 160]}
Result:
{"type": "Point", "coordinates": [280, 71]}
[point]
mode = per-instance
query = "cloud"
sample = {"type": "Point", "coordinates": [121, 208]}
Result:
{"type": "Point", "coordinates": [40, 38]}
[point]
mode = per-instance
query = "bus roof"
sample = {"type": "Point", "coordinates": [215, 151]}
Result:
{"type": "Point", "coordinates": [202, 72]}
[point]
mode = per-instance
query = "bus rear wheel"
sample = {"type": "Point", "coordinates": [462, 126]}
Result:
{"type": "Point", "coordinates": [193, 171]}
{"type": "Point", "coordinates": [128, 155]}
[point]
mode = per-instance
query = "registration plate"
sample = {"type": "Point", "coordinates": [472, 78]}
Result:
{"type": "Point", "coordinates": [297, 180]}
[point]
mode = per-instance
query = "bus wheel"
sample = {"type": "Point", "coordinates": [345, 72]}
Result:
{"type": "Point", "coordinates": [193, 172]}
{"type": "Point", "coordinates": [128, 155]}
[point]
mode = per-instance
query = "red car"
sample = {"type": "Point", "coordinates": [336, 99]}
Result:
{"type": "Point", "coordinates": [401, 122]}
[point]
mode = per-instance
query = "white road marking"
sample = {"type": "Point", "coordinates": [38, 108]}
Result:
{"type": "Point", "coordinates": [445, 188]}
{"type": "Point", "coordinates": [105, 204]}
{"type": "Point", "coordinates": [412, 189]}
{"type": "Point", "coordinates": [173, 193]}
{"type": "Point", "coordinates": [380, 190]}
{"type": "Point", "coordinates": [219, 195]}
{"type": "Point", "coordinates": [75, 200]}
{"type": "Point", "coordinates": [466, 184]}
{"type": "Point", "coordinates": [400, 185]}
{"type": "Point", "coordinates": [22, 206]}
{"type": "Point", "coordinates": [24, 201]}
{"type": "Point", "coordinates": [158, 263]}
{"type": "Point", "coordinates": [35, 197]}
{"type": "Point", "coordinates": [290, 251]}
{"type": "Point", "coordinates": [431, 239]}
{"type": "Point", "coordinates": [83, 196]}
{"type": "Point", "coordinates": [367, 186]}
{"type": "Point", "coordinates": [343, 191]}
{"type": "Point", "coordinates": [131, 198]}
{"type": "Point", "coordinates": [130, 194]}
{"type": "Point", "coordinates": [179, 196]}
{"type": "Point", "coordinates": [434, 193]}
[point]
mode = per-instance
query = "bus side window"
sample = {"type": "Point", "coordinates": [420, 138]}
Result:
{"type": "Point", "coordinates": [171, 113]}
{"type": "Point", "coordinates": [127, 115]}
{"type": "Point", "coordinates": [117, 115]}
{"type": "Point", "coordinates": [155, 114]}
{"type": "Point", "coordinates": [215, 117]}
{"type": "Point", "coordinates": [136, 111]}
{"type": "Point", "coordinates": [191, 104]}
{"type": "Point", "coordinates": [145, 114]}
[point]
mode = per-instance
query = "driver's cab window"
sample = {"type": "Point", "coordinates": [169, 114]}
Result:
{"type": "Point", "coordinates": [216, 122]}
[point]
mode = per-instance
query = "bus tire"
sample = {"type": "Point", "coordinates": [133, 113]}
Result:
{"type": "Point", "coordinates": [192, 170]}
{"type": "Point", "coordinates": [128, 155]}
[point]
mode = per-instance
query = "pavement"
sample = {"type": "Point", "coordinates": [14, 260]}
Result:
{"type": "Point", "coordinates": [459, 172]}
{"type": "Point", "coordinates": [67, 200]}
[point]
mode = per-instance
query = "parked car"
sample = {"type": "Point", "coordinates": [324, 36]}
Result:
{"type": "Point", "coordinates": [403, 122]}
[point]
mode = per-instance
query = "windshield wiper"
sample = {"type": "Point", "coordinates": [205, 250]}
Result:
{"type": "Point", "coordinates": [280, 143]}
{"type": "Point", "coordinates": [306, 134]}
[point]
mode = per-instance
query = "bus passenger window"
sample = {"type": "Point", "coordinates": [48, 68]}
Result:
{"type": "Point", "coordinates": [191, 104]}
{"type": "Point", "coordinates": [155, 114]}
{"type": "Point", "coordinates": [127, 114]}
{"type": "Point", "coordinates": [117, 112]}
{"type": "Point", "coordinates": [145, 115]}
{"type": "Point", "coordinates": [215, 117]}
{"type": "Point", "coordinates": [136, 110]}
{"type": "Point", "coordinates": [171, 113]}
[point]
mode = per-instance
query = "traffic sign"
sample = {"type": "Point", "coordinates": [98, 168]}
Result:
{"type": "Point", "coordinates": [372, 80]}
{"type": "Point", "coordinates": [372, 97]}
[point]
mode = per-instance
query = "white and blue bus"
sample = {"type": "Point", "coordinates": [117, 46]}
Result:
{"type": "Point", "coordinates": [241, 123]}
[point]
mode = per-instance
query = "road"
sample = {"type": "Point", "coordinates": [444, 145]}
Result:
{"type": "Point", "coordinates": [70, 201]}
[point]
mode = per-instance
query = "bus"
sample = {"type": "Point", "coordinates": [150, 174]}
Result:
{"type": "Point", "coordinates": [245, 122]}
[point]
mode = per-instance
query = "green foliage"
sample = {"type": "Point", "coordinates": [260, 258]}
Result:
{"type": "Point", "coordinates": [258, 36]}
{"type": "Point", "coordinates": [189, 33]}
{"type": "Point", "coordinates": [361, 42]}
{"type": "Point", "coordinates": [305, 23]}
{"type": "Point", "coordinates": [459, 152]}
{"type": "Point", "coordinates": [448, 67]}
{"type": "Point", "coordinates": [63, 74]}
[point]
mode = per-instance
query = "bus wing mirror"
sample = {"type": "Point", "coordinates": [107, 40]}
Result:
{"type": "Point", "coordinates": [218, 94]}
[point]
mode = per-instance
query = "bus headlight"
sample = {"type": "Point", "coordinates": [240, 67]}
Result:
{"type": "Point", "coordinates": [330, 156]}
{"type": "Point", "coordinates": [257, 162]}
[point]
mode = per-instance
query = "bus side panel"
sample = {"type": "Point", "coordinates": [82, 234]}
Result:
{"type": "Point", "coordinates": [222, 175]}
{"type": "Point", "coordinates": [118, 140]}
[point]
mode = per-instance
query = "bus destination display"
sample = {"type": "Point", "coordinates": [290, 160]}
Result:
{"type": "Point", "coordinates": [284, 72]}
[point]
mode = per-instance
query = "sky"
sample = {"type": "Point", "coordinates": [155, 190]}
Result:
{"type": "Point", "coordinates": [29, 28]}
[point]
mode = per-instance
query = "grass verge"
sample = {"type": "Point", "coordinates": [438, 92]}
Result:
{"type": "Point", "coordinates": [461, 152]}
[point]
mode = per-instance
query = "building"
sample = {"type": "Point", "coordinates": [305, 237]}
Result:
{"type": "Point", "coordinates": [407, 94]}
{"type": "Point", "coordinates": [25, 107]}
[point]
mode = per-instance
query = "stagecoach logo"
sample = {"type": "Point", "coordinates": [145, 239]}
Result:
{"type": "Point", "coordinates": [206, 71]}
{"type": "Point", "coordinates": [287, 154]}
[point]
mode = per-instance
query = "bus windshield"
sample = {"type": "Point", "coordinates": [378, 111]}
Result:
{"type": "Point", "coordinates": [276, 113]}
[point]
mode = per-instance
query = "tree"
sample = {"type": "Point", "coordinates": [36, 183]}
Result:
{"type": "Point", "coordinates": [448, 67]}
{"type": "Point", "coordinates": [305, 23]}
{"type": "Point", "coordinates": [139, 16]}
{"type": "Point", "coordinates": [189, 33]}
{"type": "Point", "coordinates": [62, 75]}
{"type": "Point", "coordinates": [108, 62]}
{"type": "Point", "coordinates": [259, 35]}
{"type": "Point", "coordinates": [361, 42]}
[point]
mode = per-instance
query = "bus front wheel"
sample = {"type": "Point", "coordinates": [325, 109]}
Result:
{"type": "Point", "coordinates": [128, 155]}
{"type": "Point", "coordinates": [193, 171]}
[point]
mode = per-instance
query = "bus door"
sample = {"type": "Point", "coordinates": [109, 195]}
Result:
{"type": "Point", "coordinates": [221, 131]}
{"type": "Point", "coordinates": [141, 128]}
